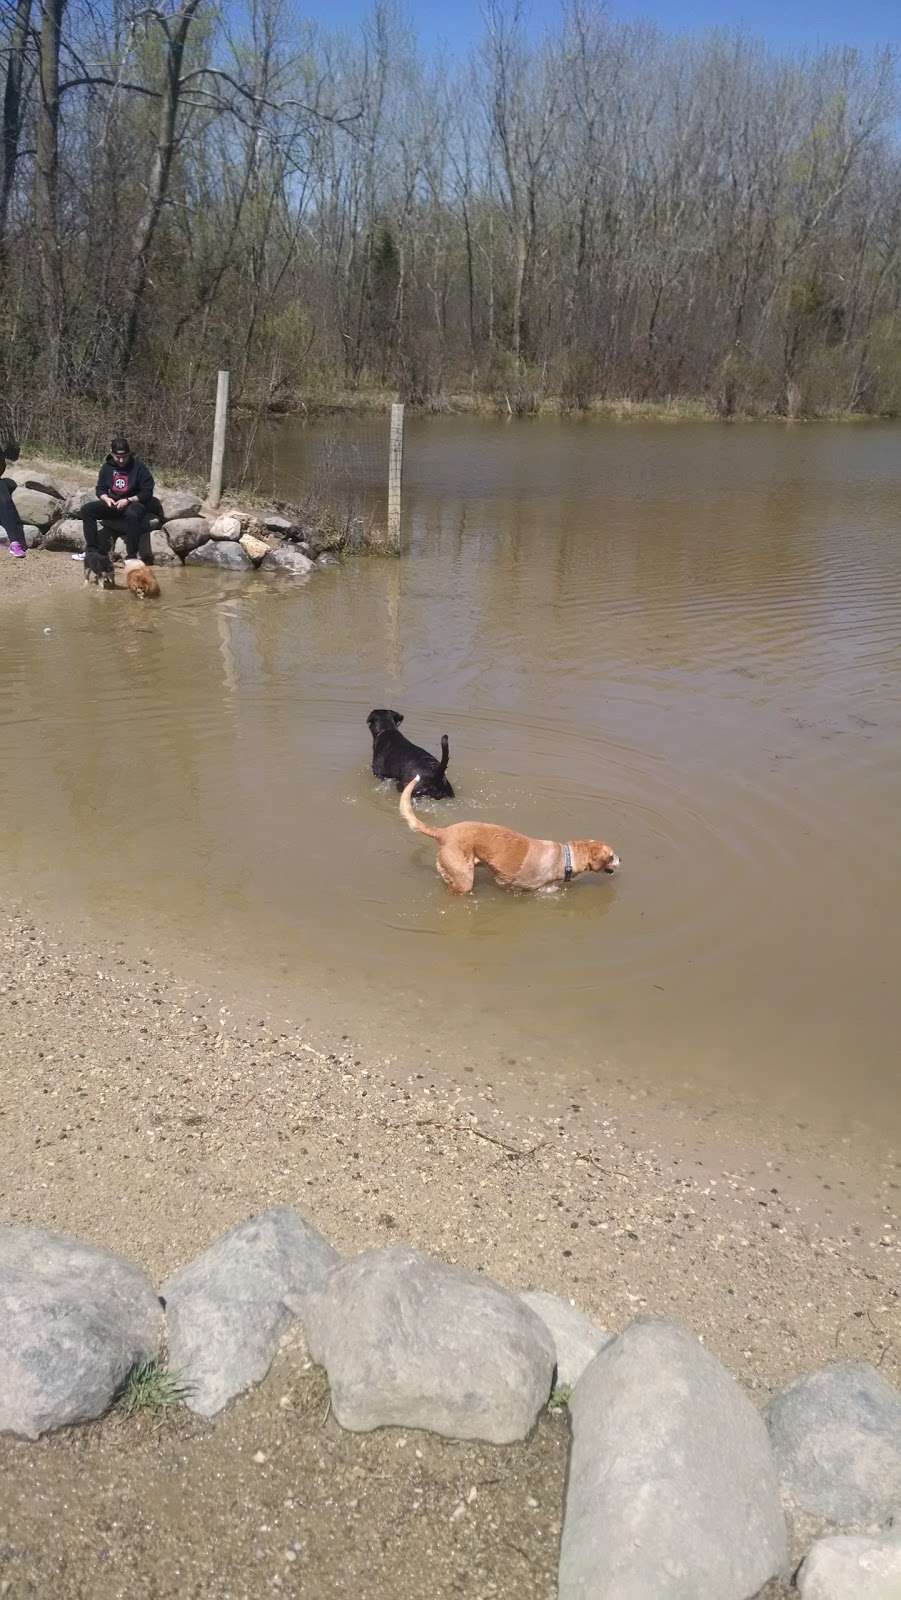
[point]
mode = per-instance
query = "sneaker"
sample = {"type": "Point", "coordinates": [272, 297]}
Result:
{"type": "Point", "coordinates": [18, 550]}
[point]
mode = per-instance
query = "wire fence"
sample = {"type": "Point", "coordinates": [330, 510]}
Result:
{"type": "Point", "coordinates": [338, 466]}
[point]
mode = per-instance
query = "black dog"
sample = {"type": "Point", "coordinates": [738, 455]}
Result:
{"type": "Point", "coordinates": [98, 569]}
{"type": "Point", "coordinates": [393, 756]}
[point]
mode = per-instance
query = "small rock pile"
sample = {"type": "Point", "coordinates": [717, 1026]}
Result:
{"type": "Point", "coordinates": [678, 1488]}
{"type": "Point", "coordinates": [180, 533]}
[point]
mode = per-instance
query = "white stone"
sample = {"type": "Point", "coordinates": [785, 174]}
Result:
{"type": "Point", "coordinates": [228, 526]}
{"type": "Point", "coordinates": [74, 1320]}
{"type": "Point", "coordinates": [220, 553]}
{"type": "Point", "coordinates": [577, 1339]}
{"type": "Point", "coordinates": [672, 1490]}
{"type": "Point", "coordinates": [287, 558]}
{"type": "Point", "coordinates": [412, 1342]}
{"type": "Point", "coordinates": [227, 1310]}
{"type": "Point", "coordinates": [837, 1440]}
{"type": "Point", "coordinates": [852, 1568]}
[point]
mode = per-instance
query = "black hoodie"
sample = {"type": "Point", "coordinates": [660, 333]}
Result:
{"type": "Point", "coordinates": [120, 482]}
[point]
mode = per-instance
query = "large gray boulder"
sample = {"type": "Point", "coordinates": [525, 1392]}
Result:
{"type": "Point", "coordinates": [276, 522]}
{"type": "Point", "coordinates": [32, 536]}
{"type": "Point", "coordinates": [161, 550]}
{"type": "Point", "coordinates": [178, 503]}
{"type": "Point", "coordinates": [287, 559]}
{"type": "Point", "coordinates": [220, 553]}
{"type": "Point", "coordinates": [227, 1310]}
{"type": "Point", "coordinates": [837, 1440]}
{"type": "Point", "coordinates": [37, 507]}
{"type": "Point", "coordinates": [74, 502]}
{"type": "Point", "coordinates": [65, 535]}
{"type": "Point", "coordinates": [29, 478]}
{"type": "Point", "coordinates": [187, 533]}
{"type": "Point", "coordinates": [852, 1568]}
{"type": "Point", "coordinates": [672, 1491]}
{"type": "Point", "coordinates": [577, 1339]}
{"type": "Point", "coordinates": [73, 1322]}
{"type": "Point", "coordinates": [410, 1341]}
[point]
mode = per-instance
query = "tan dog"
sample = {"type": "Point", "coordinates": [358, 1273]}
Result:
{"type": "Point", "coordinates": [517, 861]}
{"type": "Point", "coordinates": [140, 580]}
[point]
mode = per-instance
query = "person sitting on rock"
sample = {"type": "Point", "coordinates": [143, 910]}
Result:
{"type": "Point", "coordinates": [124, 496]}
{"type": "Point", "coordinates": [10, 520]}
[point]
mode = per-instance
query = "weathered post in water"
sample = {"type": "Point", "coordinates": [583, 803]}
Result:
{"type": "Point", "coordinates": [215, 494]}
{"type": "Point", "coordinates": [395, 473]}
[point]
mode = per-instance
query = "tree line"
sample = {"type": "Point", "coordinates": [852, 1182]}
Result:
{"type": "Point", "coordinates": [602, 212]}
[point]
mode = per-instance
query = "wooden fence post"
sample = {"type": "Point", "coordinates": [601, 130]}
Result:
{"type": "Point", "coordinates": [395, 474]}
{"type": "Point", "coordinates": [215, 494]}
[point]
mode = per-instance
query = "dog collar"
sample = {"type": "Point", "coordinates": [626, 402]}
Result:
{"type": "Point", "coordinates": [567, 863]}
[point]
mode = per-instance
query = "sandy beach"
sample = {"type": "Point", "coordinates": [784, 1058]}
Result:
{"type": "Point", "coordinates": [42, 572]}
{"type": "Point", "coordinates": [143, 1115]}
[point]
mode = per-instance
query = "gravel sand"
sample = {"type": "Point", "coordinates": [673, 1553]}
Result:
{"type": "Point", "coordinates": [142, 1115]}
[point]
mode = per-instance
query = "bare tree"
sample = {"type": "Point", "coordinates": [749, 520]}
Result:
{"type": "Point", "coordinates": [13, 109]}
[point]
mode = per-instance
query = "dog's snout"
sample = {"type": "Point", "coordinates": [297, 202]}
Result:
{"type": "Point", "coordinates": [613, 862]}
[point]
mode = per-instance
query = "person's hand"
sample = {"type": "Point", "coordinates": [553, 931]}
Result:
{"type": "Point", "coordinates": [121, 504]}
{"type": "Point", "coordinates": [108, 501]}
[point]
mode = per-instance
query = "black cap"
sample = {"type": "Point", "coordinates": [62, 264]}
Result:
{"type": "Point", "coordinates": [120, 445]}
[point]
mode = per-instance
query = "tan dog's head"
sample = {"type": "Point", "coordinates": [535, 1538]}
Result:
{"type": "Point", "coordinates": [601, 857]}
{"type": "Point", "coordinates": [141, 581]}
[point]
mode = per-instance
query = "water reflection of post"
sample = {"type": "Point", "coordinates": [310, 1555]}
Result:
{"type": "Point", "coordinates": [393, 596]}
{"type": "Point", "coordinates": [226, 651]}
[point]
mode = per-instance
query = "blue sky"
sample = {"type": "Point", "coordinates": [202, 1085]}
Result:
{"type": "Point", "coordinates": [784, 24]}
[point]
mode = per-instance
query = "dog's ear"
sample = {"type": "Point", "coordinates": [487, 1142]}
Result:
{"type": "Point", "coordinates": [398, 718]}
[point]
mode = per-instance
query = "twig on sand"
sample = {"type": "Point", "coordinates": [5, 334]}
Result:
{"type": "Point", "coordinates": [886, 1347]}
{"type": "Point", "coordinates": [585, 1155]}
{"type": "Point", "coordinates": [489, 1138]}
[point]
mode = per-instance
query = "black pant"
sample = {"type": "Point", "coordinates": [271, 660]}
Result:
{"type": "Point", "coordinates": [10, 520]}
{"type": "Point", "coordinates": [130, 523]}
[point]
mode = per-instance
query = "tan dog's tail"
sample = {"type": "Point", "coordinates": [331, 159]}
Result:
{"type": "Point", "coordinates": [409, 815]}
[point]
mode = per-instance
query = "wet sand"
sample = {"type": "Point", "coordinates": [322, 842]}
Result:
{"type": "Point", "coordinates": [42, 572]}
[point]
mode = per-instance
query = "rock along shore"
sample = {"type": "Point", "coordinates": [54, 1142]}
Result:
{"type": "Point", "coordinates": [677, 1487]}
{"type": "Point", "coordinates": [182, 530]}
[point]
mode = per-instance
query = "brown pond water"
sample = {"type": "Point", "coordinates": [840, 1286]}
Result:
{"type": "Point", "coordinates": [683, 639]}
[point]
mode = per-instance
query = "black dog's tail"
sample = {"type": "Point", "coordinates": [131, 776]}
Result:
{"type": "Point", "coordinates": [445, 753]}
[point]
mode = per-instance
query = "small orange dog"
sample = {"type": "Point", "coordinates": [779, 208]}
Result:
{"type": "Point", "coordinates": [140, 580]}
{"type": "Point", "coordinates": [517, 861]}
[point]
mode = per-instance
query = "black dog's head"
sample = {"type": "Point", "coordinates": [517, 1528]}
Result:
{"type": "Point", "coordinates": [383, 722]}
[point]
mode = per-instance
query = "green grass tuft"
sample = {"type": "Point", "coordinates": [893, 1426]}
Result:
{"type": "Point", "coordinates": [560, 1398]}
{"type": "Point", "coordinates": [151, 1389]}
